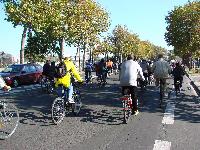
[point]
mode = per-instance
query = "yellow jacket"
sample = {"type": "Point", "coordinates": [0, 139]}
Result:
{"type": "Point", "coordinates": [66, 80]}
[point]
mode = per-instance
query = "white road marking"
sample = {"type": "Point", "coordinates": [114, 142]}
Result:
{"type": "Point", "coordinates": [162, 145]}
{"type": "Point", "coordinates": [169, 114]}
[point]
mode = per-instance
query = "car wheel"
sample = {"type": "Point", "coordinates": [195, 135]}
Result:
{"type": "Point", "coordinates": [15, 83]}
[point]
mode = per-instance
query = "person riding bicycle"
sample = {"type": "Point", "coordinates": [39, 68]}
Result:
{"type": "Point", "coordinates": [161, 69]}
{"type": "Point", "coordinates": [47, 68]}
{"type": "Point", "coordinates": [129, 71]}
{"type": "Point", "coordinates": [88, 71]}
{"type": "Point", "coordinates": [178, 73]}
{"type": "Point", "coordinates": [66, 80]}
{"type": "Point", "coordinates": [102, 70]}
{"type": "Point", "coordinates": [145, 68]}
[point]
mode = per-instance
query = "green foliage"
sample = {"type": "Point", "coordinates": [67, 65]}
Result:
{"type": "Point", "coordinates": [183, 30]}
{"type": "Point", "coordinates": [76, 21]}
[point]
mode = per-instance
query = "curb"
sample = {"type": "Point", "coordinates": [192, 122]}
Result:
{"type": "Point", "coordinates": [193, 85]}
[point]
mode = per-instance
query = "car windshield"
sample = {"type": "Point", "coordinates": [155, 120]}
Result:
{"type": "Point", "coordinates": [12, 69]}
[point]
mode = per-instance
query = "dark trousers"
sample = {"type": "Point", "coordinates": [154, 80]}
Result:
{"type": "Point", "coordinates": [87, 75]}
{"type": "Point", "coordinates": [178, 79]}
{"type": "Point", "coordinates": [133, 90]}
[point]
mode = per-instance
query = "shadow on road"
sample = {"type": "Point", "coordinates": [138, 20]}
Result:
{"type": "Point", "coordinates": [188, 109]}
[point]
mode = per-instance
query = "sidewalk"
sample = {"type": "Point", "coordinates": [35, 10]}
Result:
{"type": "Point", "coordinates": [195, 81]}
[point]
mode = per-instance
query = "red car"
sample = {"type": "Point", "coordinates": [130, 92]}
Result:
{"type": "Point", "coordinates": [18, 74]}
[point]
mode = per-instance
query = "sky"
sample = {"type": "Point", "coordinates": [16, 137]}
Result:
{"type": "Point", "coordinates": [145, 18]}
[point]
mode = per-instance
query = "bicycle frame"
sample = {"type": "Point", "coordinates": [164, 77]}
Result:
{"type": "Point", "coordinates": [127, 107]}
{"type": "Point", "coordinates": [47, 84]}
{"type": "Point", "coordinates": [177, 86]}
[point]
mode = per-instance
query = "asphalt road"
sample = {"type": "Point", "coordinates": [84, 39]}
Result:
{"type": "Point", "coordinates": [100, 126]}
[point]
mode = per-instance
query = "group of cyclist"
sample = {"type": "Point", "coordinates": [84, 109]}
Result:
{"type": "Point", "coordinates": [130, 70]}
{"type": "Point", "coordinates": [71, 72]}
{"type": "Point", "coordinates": [102, 68]}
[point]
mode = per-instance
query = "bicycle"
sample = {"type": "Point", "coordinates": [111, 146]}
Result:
{"type": "Point", "coordinates": [127, 105]}
{"type": "Point", "coordinates": [61, 106]}
{"type": "Point", "coordinates": [177, 86]}
{"type": "Point", "coordinates": [9, 119]}
{"type": "Point", "coordinates": [47, 84]}
{"type": "Point", "coordinates": [101, 79]}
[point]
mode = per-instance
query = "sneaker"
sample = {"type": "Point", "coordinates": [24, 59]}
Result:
{"type": "Point", "coordinates": [71, 101]}
{"type": "Point", "coordinates": [136, 112]}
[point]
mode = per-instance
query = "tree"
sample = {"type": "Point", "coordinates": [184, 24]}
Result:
{"type": "Point", "coordinates": [124, 42]}
{"type": "Point", "coordinates": [183, 30]}
{"type": "Point", "coordinates": [64, 21]}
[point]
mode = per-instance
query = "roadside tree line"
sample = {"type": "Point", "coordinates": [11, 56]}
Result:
{"type": "Point", "coordinates": [51, 24]}
{"type": "Point", "coordinates": [183, 31]}
{"type": "Point", "coordinates": [122, 42]}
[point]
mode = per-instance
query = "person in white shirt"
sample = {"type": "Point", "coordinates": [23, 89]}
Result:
{"type": "Point", "coordinates": [129, 72]}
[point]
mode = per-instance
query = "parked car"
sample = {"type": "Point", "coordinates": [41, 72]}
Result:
{"type": "Point", "coordinates": [18, 74]}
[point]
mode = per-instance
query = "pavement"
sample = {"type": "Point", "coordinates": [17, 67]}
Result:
{"type": "Point", "coordinates": [195, 82]}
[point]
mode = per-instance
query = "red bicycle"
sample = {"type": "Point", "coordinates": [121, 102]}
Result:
{"type": "Point", "coordinates": [127, 105]}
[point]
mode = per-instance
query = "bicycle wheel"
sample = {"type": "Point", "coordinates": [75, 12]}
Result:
{"type": "Point", "coordinates": [126, 111]}
{"type": "Point", "coordinates": [78, 104]}
{"type": "Point", "coordinates": [177, 88]}
{"type": "Point", "coordinates": [9, 120]}
{"type": "Point", "coordinates": [58, 110]}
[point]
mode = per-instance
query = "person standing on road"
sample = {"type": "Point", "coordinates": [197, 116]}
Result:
{"type": "Point", "coordinates": [66, 79]}
{"type": "Point", "coordinates": [161, 70]}
{"type": "Point", "coordinates": [129, 71]}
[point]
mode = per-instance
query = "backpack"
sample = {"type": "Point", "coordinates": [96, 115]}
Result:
{"type": "Point", "coordinates": [178, 72]}
{"type": "Point", "coordinates": [88, 67]}
{"type": "Point", "coordinates": [60, 70]}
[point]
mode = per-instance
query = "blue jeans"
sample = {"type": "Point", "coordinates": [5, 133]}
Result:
{"type": "Point", "coordinates": [68, 92]}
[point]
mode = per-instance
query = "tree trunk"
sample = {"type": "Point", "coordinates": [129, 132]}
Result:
{"type": "Point", "coordinates": [84, 49]}
{"type": "Point", "coordinates": [23, 45]}
{"type": "Point", "coordinates": [62, 43]}
{"type": "Point", "coordinates": [90, 55]}
{"type": "Point", "coordinates": [79, 58]}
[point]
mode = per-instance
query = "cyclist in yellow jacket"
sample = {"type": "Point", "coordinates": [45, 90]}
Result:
{"type": "Point", "coordinates": [66, 80]}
